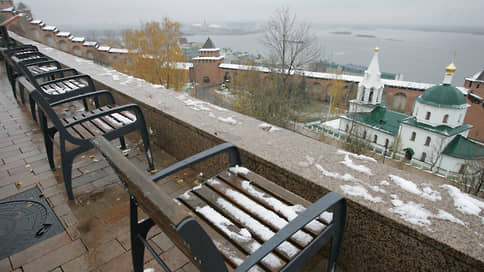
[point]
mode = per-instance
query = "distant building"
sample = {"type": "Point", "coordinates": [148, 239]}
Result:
{"type": "Point", "coordinates": [205, 65]}
{"type": "Point", "coordinates": [434, 136]}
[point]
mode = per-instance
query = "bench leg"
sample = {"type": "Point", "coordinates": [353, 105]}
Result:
{"type": "Point", "coordinates": [122, 142]}
{"type": "Point", "coordinates": [337, 239]}
{"type": "Point", "coordinates": [146, 143]}
{"type": "Point", "coordinates": [11, 78]}
{"type": "Point", "coordinates": [138, 233]}
{"type": "Point", "coordinates": [49, 145]}
{"type": "Point", "coordinates": [21, 91]}
{"type": "Point", "coordinates": [67, 174]}
{"type": "Point", "coordinates": [32, 108]}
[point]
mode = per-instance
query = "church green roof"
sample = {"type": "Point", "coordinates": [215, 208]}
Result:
{"type": "Point", "coordinates": [463, 148]}
{"type": "Point", "coordinates": [442, 129]}
{"type": "Point", "coordinates": [380, 118]}
{"type": "Point", "coordinates": [443, 96]}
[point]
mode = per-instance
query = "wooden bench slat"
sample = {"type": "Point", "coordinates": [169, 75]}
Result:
{"type": "Point", "coordinates": [258, 211]}
{"type": "Point", "coordinates": [234, 213]}
{"type": "Point", "coordinates": [241, 237]}
{"type": "Point", "coordinates": [272, 201]}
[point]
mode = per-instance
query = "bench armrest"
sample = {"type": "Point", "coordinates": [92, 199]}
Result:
{"type": "Point", "coordinates": [234, 156]}
{"type": "Point", "coordinates": [339, 216]}
{"type": "Point", "coordinates": [44, 62]}
{"type": "Point", "coordinates": [90, 83]}
{"type": "Point", "coordinates": [86, 95]}
{"type": "Point", "coordinates": [133, 107]}
{"type": "Point", "coordinates": [57, 71]}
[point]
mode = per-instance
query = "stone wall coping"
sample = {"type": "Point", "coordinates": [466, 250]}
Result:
{"type": "Point", "coordinates": [418, 205]}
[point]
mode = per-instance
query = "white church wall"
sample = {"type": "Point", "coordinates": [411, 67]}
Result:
{"type": "Point", "coordinates": [435, 147]}
{"type": "Point", "coordinates": [451, 164]}
{"type": "Point", "coordinates": [455, 116]}
{"type": "Point", "coordinates": [359, 129]}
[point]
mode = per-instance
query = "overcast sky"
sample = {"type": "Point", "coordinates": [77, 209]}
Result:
{"type": "Point", "coordinates": [401, 12]}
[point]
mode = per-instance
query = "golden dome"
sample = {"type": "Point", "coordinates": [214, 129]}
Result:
{"type": "Point", "coordinates": [377, 49]}
{"type": "Point", "coordinates": [450, 69]}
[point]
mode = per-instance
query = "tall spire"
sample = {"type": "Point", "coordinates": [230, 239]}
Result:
{"type": "Point", "coordinates": [449, 71]}
{"type": "Point", "coordinates": [372, 74]}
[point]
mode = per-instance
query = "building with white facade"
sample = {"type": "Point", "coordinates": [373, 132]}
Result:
{"type": "Point", "coordinates": [434, 136]}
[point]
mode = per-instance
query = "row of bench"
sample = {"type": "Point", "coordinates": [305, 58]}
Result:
{"type": "Point", "coordinates": [236, 220]}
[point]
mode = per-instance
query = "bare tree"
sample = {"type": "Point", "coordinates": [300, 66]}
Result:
{"type": "Point", "coordinates": [472, 178]}
{"type": "Point", "coordinates": [290, 42]}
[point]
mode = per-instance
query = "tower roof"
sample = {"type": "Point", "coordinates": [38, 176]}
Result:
{"type": "Point", "coordinates": [372, 74]}
{"type": "Point", "coordinates": [208, 44]}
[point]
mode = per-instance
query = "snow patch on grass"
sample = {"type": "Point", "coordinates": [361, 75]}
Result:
{"type": "Point", "coordinates": [357, 167]}
{"type": "Point", "coordinates": [464, 202]}
{"type": "Point", "coordinates": [411, 187]}
{"type": "Point", "coordinates": [356, 156]}
{"type": "Point", "coordinates": [358, 190]}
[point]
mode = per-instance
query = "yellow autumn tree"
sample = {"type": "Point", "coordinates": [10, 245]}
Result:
{"type": "Point", "coordinates": [154, 54]}
{"type": "Point", "coordinates": [337, 91]}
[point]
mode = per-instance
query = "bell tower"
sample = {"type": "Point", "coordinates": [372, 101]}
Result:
{"type": "Point", "coordinates": [370, 89]}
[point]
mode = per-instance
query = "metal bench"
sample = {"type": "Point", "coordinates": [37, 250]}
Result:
{"type": "Point", "coordinates": [52, 81]}
{"type": "Point", "coordinates": [236, 220]}
{"type": "Point", "coordinates": [76, 128]}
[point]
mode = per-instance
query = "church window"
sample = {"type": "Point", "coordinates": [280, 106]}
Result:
{"type": "Point", "coordinates": [470, 84]}
{"type": "Point", "coordinates": [427, 141]}
{"type": "Point", "coordinates": [462, 168]}
{"type": "Point", "coordinates": [427, 116]}
{"type": "Point", "coordinates": [206, 79]}
{"type": "Point", "coordinates": [375, 138]}
{"type": "Point", "coordinates": [370, 99]}
{"type": "Point", "coordinates": [412, 138]}
{"type": "Point", "coordinates": [424, 155]}
{"type": "Point", "coordinates": [446, 118]}
{"type": "Point", "coordinates": [386, 142]}
{"type": "Point", "coordinates": [364, 134]}
{"type": "Point", "coordinates": [347, 128]}
{"type": "Point", "coordinates": [363, 96]}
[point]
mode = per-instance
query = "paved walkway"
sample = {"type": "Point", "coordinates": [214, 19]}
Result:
{"type": "Point", "coordinates": [96, 236]}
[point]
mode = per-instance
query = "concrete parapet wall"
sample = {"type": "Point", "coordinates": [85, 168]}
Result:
{"type": "Point", "coordinates": [376, 238]}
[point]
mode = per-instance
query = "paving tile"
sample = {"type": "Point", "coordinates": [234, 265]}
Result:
{"type": "Point", "coordinates": [162, 241]}
{"type": "Point", "coordinates": [111, 215]}
{"type": "Point", "coordinates": [99, 235]}
{"type": "Point", "coordinates": [190, 267]}
{"type": "Point", "coordinates": [96, 257]}
{"type": "Point", "coordinates": [39, 249]}
{"type": "Point", "coordinates": [5, 265]}
{"type": "Point", "coordinates": [122, 263]}
{"type": "Point", "coordinates": [174, 258]}
{"type": "Point", "coordinates": [8, 190]}
{"type": "Point", "coordinates": [56, 258]}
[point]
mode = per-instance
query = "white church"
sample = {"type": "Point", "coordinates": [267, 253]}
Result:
{"type": "Point", "coordinates": [434, 136]}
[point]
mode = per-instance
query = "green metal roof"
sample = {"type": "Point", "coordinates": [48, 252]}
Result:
{"type": "Point", "coordinates": [443, 96]}
{"type": "Point", "coordinates": [462, 148]}
{"type": "Point", "coordinates": [380, 118]}
{"type": "Point", "coordinates": [442, 129]}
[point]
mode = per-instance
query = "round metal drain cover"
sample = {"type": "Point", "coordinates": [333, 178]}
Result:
{"type": "Point", "coordinates": [21, 220]}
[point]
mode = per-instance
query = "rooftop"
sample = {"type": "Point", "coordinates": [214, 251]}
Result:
{"type": "Point", "coordinates": [442, 129]}
{"type": "Point", "coordinates": [443, 96]}
{"type": "Point", "coordinates": [380, 118]}
{"type": "Point", "coordinates": [463, 148]}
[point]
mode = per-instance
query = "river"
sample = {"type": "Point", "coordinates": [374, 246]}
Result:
{"type": "Point", "coordinates": [419, 55]}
